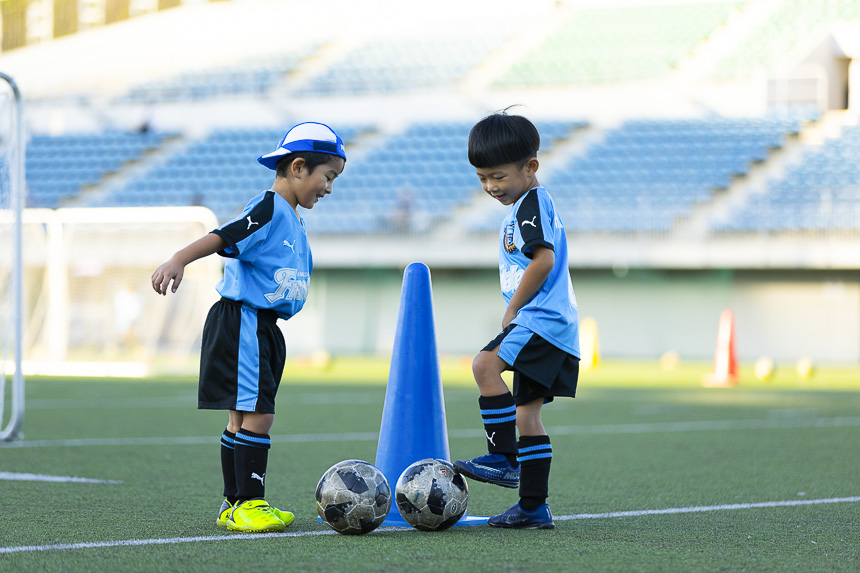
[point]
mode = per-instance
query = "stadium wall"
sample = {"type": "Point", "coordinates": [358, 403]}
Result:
{"type": "Point", "coordinates": [641, 313]}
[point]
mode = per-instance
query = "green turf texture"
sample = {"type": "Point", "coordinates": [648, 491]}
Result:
{"type": "Point", "coordinates": [613, 452]}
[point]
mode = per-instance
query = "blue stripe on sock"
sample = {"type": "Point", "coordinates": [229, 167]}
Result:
{"type": "Point", "coordinates": [489, 421]}
{"type": "Point", "coordinates": [534, 457]}
{"type": "Point", "coordinates": [534, 448]}
{"type": "Point", "coordinates": [254, 441]}
{"type": "Point", "coordinates": [508, 410]}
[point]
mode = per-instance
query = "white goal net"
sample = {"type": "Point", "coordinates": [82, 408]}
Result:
{"type": "Point", "coordinates": [92, 311]}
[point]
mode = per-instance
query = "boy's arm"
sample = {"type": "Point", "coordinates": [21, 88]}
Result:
{"type": "Point", "coordinates": [534, 276]}
{"type": "Point", "coordinates": [175, 267]}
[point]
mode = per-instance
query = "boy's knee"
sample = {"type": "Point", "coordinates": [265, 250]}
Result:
{"type": "Point", "coordinates": [482, 366]}
{"type": "Point", "coordinates": [477, 366]}
{"type": "Point", "coordinates": [258, 423]}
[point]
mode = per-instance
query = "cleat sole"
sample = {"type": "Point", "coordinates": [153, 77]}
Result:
{"type": "Point", "coordinates": [273, 528]}
{"type": "Point", "coordinates": [532, 526]}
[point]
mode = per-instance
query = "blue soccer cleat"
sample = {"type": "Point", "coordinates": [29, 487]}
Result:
{"type": "Point", "coordinates": [490, 468]}
{"type": "Point", "coordinates": [518, 518]}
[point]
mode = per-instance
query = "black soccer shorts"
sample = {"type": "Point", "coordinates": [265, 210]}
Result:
{"type": "Point", "coordinates": [541, 370]}
{"type": "Point", "coordinates": [241, 359]}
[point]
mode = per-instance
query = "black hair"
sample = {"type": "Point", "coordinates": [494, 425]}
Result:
{"type": "Point", "coordinates": [500, 138]}
{"type": "Point", "coordinates": [313, 159]}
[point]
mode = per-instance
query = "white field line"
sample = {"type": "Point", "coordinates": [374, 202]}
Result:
{"type": "Point", "coordinates": [42, 477]}
{"type": "Point", "coordinates": [703, 508]}
{"type": "Point", "coordinates": [189, 401]}
{"type": "Point", "coordinates": [252, 536]}
{"type": "Point", "coordinates": [604, 429]}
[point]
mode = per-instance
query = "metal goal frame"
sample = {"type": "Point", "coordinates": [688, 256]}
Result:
{"type": "Point", "coordinates": [12, 427]}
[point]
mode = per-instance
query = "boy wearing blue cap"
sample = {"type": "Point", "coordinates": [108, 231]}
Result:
{"type": "Point", "coordinates": [539, 340]}
{"type": "Point", "coordinates": [266, 277]}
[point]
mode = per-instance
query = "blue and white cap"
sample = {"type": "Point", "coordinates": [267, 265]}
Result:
{"type": "Point", "coordinates": [308, 136]}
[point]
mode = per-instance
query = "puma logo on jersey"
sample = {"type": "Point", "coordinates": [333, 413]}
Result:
{"type": "Point", "coordinates": [532, 222]}
{"type": "Point", "coordinates": [290, 245]}
{"type": "Point", "coordinates": [262, 478]}
{"type": "Point", "coordinates": [490, 438]}
{"type": "Point", "coordinates": [250, 222]}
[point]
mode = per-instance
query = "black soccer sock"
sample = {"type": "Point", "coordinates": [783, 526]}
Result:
{"type": "Point", "coordinates": [252, 456]}
{"type": "Point", "coordinates": [228, 465]}
{"type": "Point", "coordinates": [535, 456]}
{"type": "Point", "coordinates": [500, 425]}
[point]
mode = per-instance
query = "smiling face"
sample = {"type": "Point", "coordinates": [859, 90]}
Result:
{"type": "Point", "coordinates": [304, 186]}
{"type": "Point", "coordinates": [507, 183]}
{"type": "Point", "coordinates": [317, 183]}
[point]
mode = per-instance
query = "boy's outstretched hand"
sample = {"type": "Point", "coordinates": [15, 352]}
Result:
{"type": "Point", "coordinates": [171, 270]}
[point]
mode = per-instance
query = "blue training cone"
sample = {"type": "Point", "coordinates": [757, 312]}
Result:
{"type": "Point", "coordinates": [413, 419]}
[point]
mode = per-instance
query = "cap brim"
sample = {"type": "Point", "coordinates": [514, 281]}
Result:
{"type": "Point", "coordinates": [270, 160]}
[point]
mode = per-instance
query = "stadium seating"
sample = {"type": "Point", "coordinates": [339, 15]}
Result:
{"type": "Point", "coordinates": [821, 193]}
{"type": "Point", "coordinates": [412, 181]}
{"type": "Point", "coordinates": [408, 182]}
{"type": "Point", "coordinates": [401, 64]}
{"type": "Point", "coordinates": [642, 177]}
{"type": "Point", "coordinates": [645, 176]}
{"type": "Point", "coordinates": [248, 78]}
{"type": "Point", "coordinates": [781, 33]}
{"type": "Point", "coordinates": [219, 172]}
{"type": "Point", "coordinates": [57, 168]}
{"type": "Point", "coordinates": [648, 173]}
{"type": "Point", "coordinates": [612, 44]}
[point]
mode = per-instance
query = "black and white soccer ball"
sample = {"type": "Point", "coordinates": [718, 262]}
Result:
{"type": "Point", "coordinates": [431, 495]}
{"type": "Point", "coordinates": [353, 497]}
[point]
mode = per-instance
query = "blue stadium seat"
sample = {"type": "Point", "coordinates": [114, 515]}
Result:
{"type": "Point", "coordinates": [820, 193]}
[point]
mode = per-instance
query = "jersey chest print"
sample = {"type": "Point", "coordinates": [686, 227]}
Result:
{"type": "Point", "coordinates": [292, 285]}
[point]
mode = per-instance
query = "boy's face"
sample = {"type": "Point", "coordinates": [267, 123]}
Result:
{"type": "Point", "coordinates": [316, 184]}
{"type": "Point", "coordinates": [507, 183]}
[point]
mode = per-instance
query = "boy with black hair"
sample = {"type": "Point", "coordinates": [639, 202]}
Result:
{"type": "Point", "coordinates": [266, 277]}
{"type": "Point", "coordinates": [540, 333]}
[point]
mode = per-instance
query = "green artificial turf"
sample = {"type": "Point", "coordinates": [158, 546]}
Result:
{"type": "Point", "coordinates": [636, 439]}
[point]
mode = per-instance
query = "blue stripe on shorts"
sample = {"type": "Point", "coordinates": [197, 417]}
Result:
{"type": "Point", "coordinates": [513, 344]}
{"type": "Point", "coordinates": [249, 362]}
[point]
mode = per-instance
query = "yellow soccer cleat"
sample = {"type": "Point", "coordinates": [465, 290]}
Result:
{"type": "Point", "coordinates": [224, 513]}
{"type": "Point", "coordinates": [284, 516]}
{"type": "Point", "coordinates": [254, 516]}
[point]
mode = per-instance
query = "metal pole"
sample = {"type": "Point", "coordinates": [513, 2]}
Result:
{"type": "Point", "coordinates": [16, 175]}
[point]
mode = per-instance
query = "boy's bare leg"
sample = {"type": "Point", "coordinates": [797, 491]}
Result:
{"type": "Point", "coordinates": [257, 423]}
{"type": "Point", "coordinates": [529, 422]}
{"type": "Point", "coordinates": [487, 369]}
{"type": "Point", "coordinates": [498, 413]}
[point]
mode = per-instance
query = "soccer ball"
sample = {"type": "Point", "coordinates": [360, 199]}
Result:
{"type": "Point", "coordinates": [431, 495]}
{"type": "Point", "coordinates": [353, 497]}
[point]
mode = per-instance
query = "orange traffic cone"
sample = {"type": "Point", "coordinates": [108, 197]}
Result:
{"type": "Point", "coordinates": [725, 359]}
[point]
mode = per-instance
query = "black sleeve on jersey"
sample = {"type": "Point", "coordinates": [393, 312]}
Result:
{"type": "Point", "coordinates": [240, 229]}
{"type": "Point", "coordinates": [529, 223]}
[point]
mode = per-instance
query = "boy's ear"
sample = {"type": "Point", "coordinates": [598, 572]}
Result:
{"type": "Point", "coordinates": [298, 166]}
{"type": "Point", "coordinates": [532, 165]}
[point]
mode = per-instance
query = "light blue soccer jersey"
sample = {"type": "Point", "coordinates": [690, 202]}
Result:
{"type": "Point", "coordinates": [552, 311]}
{"type": "Point", "coordinates": [269, 260]}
